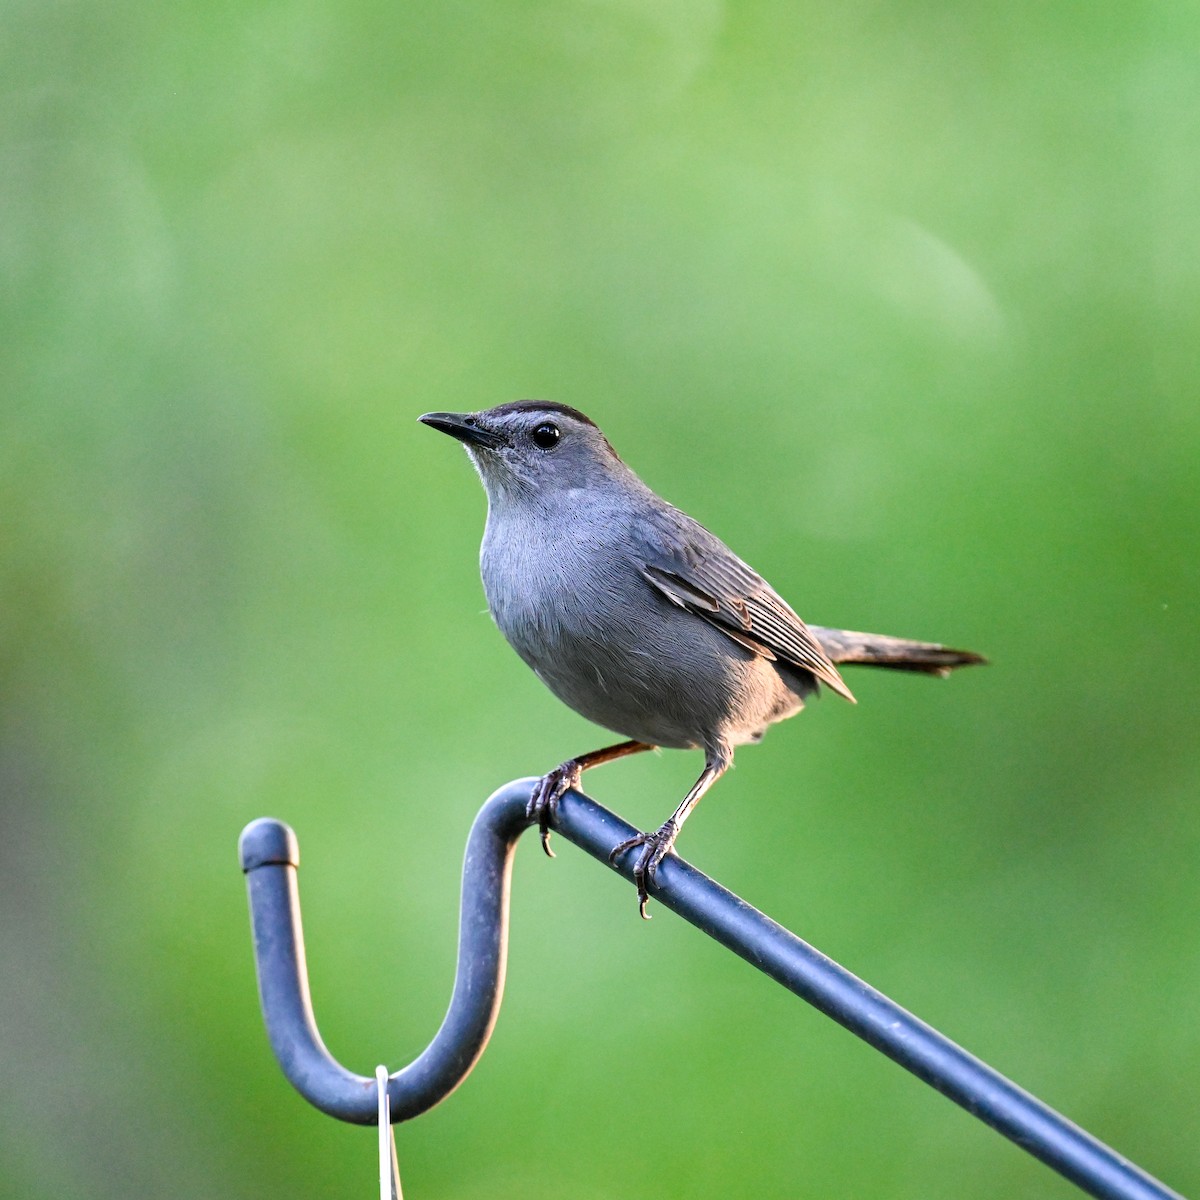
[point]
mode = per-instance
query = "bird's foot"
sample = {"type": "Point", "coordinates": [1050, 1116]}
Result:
{"type": "Point", "coordinates": [550, 789]}
{"type": "Point", "coordinates": [655, 847]}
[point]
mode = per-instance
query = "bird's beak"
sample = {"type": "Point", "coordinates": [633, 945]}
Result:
{"type": "Point", "coordinates": [464, 426]}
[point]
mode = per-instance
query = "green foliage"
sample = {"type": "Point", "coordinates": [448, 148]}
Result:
{"type": "Point", "coordinates": [900, 300]}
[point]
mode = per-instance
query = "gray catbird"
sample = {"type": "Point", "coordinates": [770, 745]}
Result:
{"type": "Point", "coordinates": [635, 615]}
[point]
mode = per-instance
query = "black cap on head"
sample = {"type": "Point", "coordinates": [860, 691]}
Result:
{"type": "Point", "coordinates": [516, 406]}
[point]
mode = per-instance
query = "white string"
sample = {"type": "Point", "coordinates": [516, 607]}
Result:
{"type": "Point", "coordinates": [389, 1173]}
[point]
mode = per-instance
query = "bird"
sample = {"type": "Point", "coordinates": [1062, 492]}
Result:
{"type": "Point", "coordinates": [636, 616]}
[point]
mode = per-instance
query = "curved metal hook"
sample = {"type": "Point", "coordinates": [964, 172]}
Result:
{"type": "Point", "coordinates": [269, 857]}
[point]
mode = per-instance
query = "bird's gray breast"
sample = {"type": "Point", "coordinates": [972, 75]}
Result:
{"type": "Point", "coordinates": [568, 593]}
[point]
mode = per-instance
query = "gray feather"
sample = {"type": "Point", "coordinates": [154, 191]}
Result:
{"type": "Point", "coordinates": [696, 570]}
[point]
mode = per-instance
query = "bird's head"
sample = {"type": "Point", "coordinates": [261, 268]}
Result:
{"type": "Point", "coordinates": [532, 448]}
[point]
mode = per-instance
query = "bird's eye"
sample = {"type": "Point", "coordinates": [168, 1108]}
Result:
{"type": "Point", "coordinates": [546, 435]}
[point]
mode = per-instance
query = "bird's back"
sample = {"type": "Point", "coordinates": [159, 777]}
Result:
{"type": "Point", "coordinates": [567, 586]}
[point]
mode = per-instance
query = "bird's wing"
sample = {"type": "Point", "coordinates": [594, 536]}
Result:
{"type": "Point", "coordinates": [700, 574]}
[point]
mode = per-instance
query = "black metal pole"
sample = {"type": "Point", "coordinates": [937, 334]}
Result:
{"type": "Point", "coordinates": [269, 858]}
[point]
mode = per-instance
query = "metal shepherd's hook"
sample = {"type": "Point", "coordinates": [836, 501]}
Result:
{"type": "Point", "coordinates": [270, 855]}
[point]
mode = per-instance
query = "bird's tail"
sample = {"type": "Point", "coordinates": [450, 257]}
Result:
{"type": "Point", "coordinates": [899, 654]}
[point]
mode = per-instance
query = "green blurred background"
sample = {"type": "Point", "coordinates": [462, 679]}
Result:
{"type": "Point", "coordinates": [900, 300]}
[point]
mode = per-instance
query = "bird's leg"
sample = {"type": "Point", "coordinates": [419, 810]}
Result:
{"type": "Point", "coordinates": [552, 786]}
{"type": "Point", "coordinates": [656, 846]}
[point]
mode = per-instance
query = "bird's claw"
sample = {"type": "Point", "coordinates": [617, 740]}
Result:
{"type": "Point", "coordinates": [550, 789]}
{"type": "Point", "coordinates": [655, 847]}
